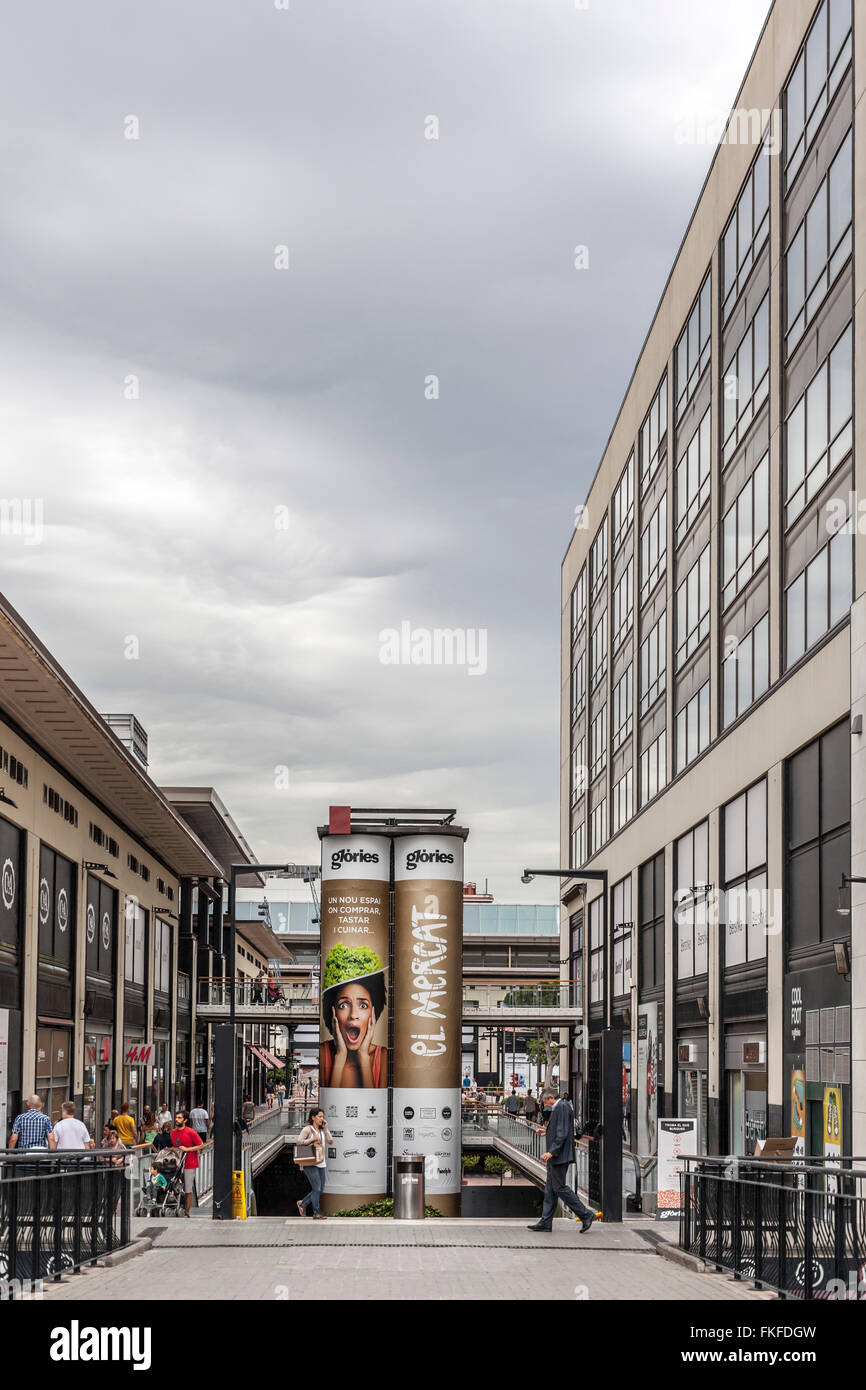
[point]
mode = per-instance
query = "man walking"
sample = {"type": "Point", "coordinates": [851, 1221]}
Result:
{"type": "Point", "coordinates": [32, 1129]}
{"type": "Point", "coordinates": [69, 1132]}
{"type": "Point", "coordinates": [200, 1121]}
{"type": "Point", "coordinates": [512, 1105]}
{"type": "Point", "coordinates": [187, 1141]}
{"type": "Point", "coordinates": [559, 1153]}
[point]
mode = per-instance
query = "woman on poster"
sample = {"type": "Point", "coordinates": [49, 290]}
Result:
{"type": "Point", "coordinates": [353, 1001]}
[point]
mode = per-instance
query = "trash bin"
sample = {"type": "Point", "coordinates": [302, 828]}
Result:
{"type": "Point", "coordinates": [409, 1187]}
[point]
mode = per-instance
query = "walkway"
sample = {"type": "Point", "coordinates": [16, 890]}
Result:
{"type": "Point", "coordinates": [291, 1260]}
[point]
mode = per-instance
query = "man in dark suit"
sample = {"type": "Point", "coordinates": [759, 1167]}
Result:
{"type": "Point", "coordinates": [559, 1153]}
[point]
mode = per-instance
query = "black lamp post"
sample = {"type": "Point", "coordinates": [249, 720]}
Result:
{"type": "Point", "coordinates": [611, 1055]}
{"type": "Point", "coordinates": [227, 1132]}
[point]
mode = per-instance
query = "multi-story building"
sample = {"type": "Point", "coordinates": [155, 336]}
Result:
{"type": "Point", "coordinates": [713, 634]}
{"type": "Point", "coordinates": [111, 902]}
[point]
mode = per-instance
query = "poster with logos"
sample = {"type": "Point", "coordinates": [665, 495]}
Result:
{"type": "Point", "coordinates": [353, 1030]}
{"type": "Point", "coordinates": [646, 1078]}
{"type": "Point", "coordinates": [677, 1139]}
{"type": "Point", "coordinates": [4, 1073]}
{"type": "Point", "coordinates": [428, 992]}
{"type": "Point", "coordinates": [358, 1157]}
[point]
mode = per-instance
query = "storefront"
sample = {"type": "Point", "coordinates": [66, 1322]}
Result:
{"type": "Point", "coordinates": [137, 1067]}
{"type": "Point", "coordinates": [745, 1087]}
{"type": "Point", "coordinates": [96, 1104]}
{"type": "Point", "coordinates": [53, 1068]}
{"type": "Point", "coordinates": [818, 1060]}
{"type": "Point", "coordinates": [693, 1081]}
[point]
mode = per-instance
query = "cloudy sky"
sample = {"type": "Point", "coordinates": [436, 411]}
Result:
{"type": "Point", "coordinates": [244, 481]}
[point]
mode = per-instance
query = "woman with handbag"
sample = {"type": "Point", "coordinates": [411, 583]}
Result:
{"type": "Point", "coordinates": [310, 1155]}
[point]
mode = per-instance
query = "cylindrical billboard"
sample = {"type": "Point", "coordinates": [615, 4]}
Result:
{"type": "Point", "coordinates": [353, 1034]}
{"type": "Point", "coordinates": [427, 1005]}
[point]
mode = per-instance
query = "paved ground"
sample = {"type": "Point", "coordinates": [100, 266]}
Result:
{"type": "Point", "coordinates": [272, 1258]}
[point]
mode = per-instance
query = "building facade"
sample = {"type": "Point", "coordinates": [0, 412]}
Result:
{"type": "Point", "coordinates": [111, 903]}
{"type": "Point", "coordinates": [713, 634]}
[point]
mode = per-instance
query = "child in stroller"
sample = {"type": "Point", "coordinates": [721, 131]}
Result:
{"type": "Point", "coordinates": [163, 1191]}
{"type": "Point", "coordinates": [276, 994]}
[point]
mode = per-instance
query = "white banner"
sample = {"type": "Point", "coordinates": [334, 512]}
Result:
{"type": "Point", "coordinates": [427, 1122]}
{"type": "Point", "coordinates": [358, 1122]}
{"type": "Point", "coordinates": [677, 1139]}
{"type": "Point", "coordinates": [4, 1074]}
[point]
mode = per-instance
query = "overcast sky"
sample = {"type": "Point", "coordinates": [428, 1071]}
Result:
{"type": "Point", "coordinates": [239, 466]}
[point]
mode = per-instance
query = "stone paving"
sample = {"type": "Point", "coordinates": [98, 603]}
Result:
{"type": "Point", "coordinates": [290, 1259]}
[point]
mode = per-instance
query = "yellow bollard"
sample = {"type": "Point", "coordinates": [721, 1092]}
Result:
{"type": "Point", "coordinates": [239, 1199]}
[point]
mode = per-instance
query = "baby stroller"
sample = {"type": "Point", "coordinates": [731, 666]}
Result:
{"type": "Point", "coordinates": [276, 994]}
{"type": "Point", "coordinates": [159, 1200]}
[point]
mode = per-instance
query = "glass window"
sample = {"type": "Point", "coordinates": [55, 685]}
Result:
{"type": "Point", "coordinates": [579, 770]}
{"type": "Point", "coordinates": [653, 769]}
{"type": "Point", "coordinates": [653, 433]}
{"type": "Point", "coordinates": [653, 549]}
{"type": "Point", "coordinates": [747, 231]}
{"type": "Point", "coordinates": [818, 72]}
{"type": "Point", "coordinates": [598, 743]}
{"type": "Point", "coordinates": [746, 671]}
{"type": "Point", "coordinates": [623, 603]}
{"type": "Point", "coordinates": [623, 505]}
{"type": "Point", "coordinates": [651, 896]}
{"type": "Point", "coordinates": [747, 380]}
{"type": "Point", "coordinates": [693, 608]}
{"type": "Point", "coordinates": [744, 828]}
{"type": "Point", "coordinates": [135, 934]}
{"type": "Point", "coordinates": [598, 562]}
{"type": "Point", "coordinates": [578, 605]}
{"type": "Point", "coordinates": [653, 659]}
{"type": "Point", "coordinates": [598, 825]}
{"type": "Point", "coordinates": [596, 952]}
{"type": "Point", "coordinates": [691, 901]}
{"type": "Point", "coordinates": [819, 597]}
{"type": "Point", "coordinates": [578, 845]}
{"type": "Point", "coordinates": [693, 728]}
{"type": "Point", "coordinates": [622, 926]}
{"type": "Point", "coordinates": [693, 477]}
{"type": "Point", "coordinates": [820, 245]}
{"type": "Point", "coordinates": [819, 429]}
{"type": "Point", "coordinates": [622, 709]}
{"type": "Point", "coordinates": [578, 686]}
{"type": "Point", "coordinates": [693, 348]}
{"type": "Point", "coordinates": [746, 532]}
{"type": "Point", "coordinates": [818, 851]}
{"type": "Point", "coordinates": [598, 667]}
{"type": "Point", "coordinates": [622, 801]}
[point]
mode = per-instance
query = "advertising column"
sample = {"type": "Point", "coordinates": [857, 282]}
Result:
{"type": "Point", "coordinates": [353, 1036]}
{"type": "Point", "coordinates": [428, 994]}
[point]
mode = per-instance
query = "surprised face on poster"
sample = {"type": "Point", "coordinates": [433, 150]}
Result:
{"type": "Point", "coordinates": [351, 1010]}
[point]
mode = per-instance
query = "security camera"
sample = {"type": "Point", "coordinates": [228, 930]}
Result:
{"type": "Point", "coordinates": [527, 878]}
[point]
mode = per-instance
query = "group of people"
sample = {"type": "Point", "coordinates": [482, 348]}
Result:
{"type": "Point", "coordinates": [275, 1093]}
{"type": "Point", "coordinates": [267, 989]}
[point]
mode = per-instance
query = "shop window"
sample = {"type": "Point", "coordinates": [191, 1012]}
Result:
{"type": "Point", "coordinates": [818, 792]}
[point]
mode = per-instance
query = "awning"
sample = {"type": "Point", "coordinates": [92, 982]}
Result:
{"type": "Point", "coordinates": [257, 1052]}
{"type": "Point", "coordinates": [274, 1061]}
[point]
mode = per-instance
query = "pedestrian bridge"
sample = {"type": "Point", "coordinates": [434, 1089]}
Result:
{"type": "Point", "coordinates": [506, 1005]}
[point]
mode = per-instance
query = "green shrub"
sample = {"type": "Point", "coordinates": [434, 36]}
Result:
{"type": "Point", "coordinates": [385, 1207]}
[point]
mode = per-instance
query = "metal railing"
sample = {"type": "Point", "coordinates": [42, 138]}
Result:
{"type": "Point", "coordinates": [249, 993]}
{"type": "Point", "coordinates": [287, 994]}
{"type": "Point", "coordinates": [511, 1129]}
{"type": "Point", "coordinates": [796, 1227]}
{"type": "Point", "coordinates": [61, 1211]}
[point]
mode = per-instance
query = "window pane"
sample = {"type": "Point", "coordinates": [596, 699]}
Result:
{"type": "Point", "coordinates": [841, 380]}
{"type": "Point", "coordinates": [816, 240]}
{"type": "Point", "coordinates": [796, 447]}
{"type": "Point", "coordinates": [796, 620]}
{"type": "Point", "coordinates": [761, 487]}
{"type": "Point", "coordinates": [840, 192]}
{"type": "Point", "coordinates": [841, 555]}
{"type": "Point", "coordinates": [794, 105]}
{"type": "Point", "coordinates": [744, 673]}
{"type": "Point", "coordinates": [796, 269]}
{"type": "Point", "coordinates": [762, 186]}
{"type": "Point", "coordinates": [761, 658]}
{"type": "Point", "coordinates": [816, 598]}
{"type": "Point", "coordinates": [730, 695]}
{"type": "Point", "coordinates": [816, 419]}
{"type": "Point", "coordinates": [757, 826]}
{"type": "Point", "coordinates": [735, 839]}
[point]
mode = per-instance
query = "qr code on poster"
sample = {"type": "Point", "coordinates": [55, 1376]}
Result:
{"type": "Point", "coordinates": [408, 1134]}
{"type": "Point", "coordinates": [351, 1112]}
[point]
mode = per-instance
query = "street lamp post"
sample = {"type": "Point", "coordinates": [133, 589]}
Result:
{"type": "Point", "coordinates": [227, 1133]}
{"type": "Point", "coordinates": [611, 1054]}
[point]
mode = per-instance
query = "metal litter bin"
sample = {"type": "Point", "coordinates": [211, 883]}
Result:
{"type": "Point", "coordinates": [409, 1187]}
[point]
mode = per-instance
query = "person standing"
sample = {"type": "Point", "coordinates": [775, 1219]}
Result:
{"type": "Point", "coordinates": [200, 1121]}
{"type": "Point", "coordinates": [69, 1132]}
{"type": "Point", "coordinates": [315, 1132]}
{"type": "Point", "coordinates": [125, 1126]}
{"type": "Point", "coordinates": [163, 1115]}
{"type": "Point", "coordinates": [530, 1107]}
{"type": "Point", "coordinates": [269, 1093]}
{"type": "Point", "coordinates": [558, 1155]}
{"type": "Point", "coordinates": [148, 1127]}
{"type": "Point", "coordinates": [185, 1138]}
{"type": "Point", "coordinates": [248, 1112]}
{"type": "Point", "coordinates": [31, 1129]}
{"type": "Point", "coordinates": [281, 1094]}
{"type": "Point", "coordinates": [512, 1105]}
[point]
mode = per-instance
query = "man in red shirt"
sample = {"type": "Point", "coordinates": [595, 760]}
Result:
{"type": "Point", "coordinates": [184, 1138]}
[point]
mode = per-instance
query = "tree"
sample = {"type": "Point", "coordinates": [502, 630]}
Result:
{"type": "Point", "coordinates": [494, 1164]}
{"type": "Point", "coordinates": [544, 1050]}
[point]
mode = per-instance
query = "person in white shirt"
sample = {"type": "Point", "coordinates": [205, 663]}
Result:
{"type": "Point", "coordinates": [164, 1115]}
{"type": "Point", "coordinates": [200, 1121]}
{"type": "Point", "coordinates": [69, 1132]}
